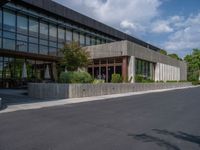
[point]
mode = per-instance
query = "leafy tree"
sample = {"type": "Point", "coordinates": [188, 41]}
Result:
{"type": "Point", "coordinates": [175, 56]}
{"type": "Point", "coordinates": [164, 52]}
{"type": "Point", "coordinates": [74, 56]}
{"type": "Point", "coordinates": [193, 61]}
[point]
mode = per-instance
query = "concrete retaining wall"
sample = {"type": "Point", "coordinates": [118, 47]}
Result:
{"type": "Point", "coordinates": [62, 91]}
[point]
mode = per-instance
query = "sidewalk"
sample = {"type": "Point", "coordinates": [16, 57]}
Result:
{"type": "Point", "coordinates": [39, 105]}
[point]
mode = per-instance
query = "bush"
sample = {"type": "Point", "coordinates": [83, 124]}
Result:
{"type": "Point", "coordinates": [75, 77]}
{"type": "Point", "coordinates": [98, 81]}
{"type": "Point", "coordinates": [142, 79]}
{"type": "Point", "coordinates": [171, 81]}
{"type": "Point", "coordinates": [116, 78]}
{"type": "Point", "coordinates": [195, 83]}
{"type": "Point", "coordinates": [138, 78]}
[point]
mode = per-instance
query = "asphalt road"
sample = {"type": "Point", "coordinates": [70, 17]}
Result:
{"type": "Point", "coordinates": [156, 121]}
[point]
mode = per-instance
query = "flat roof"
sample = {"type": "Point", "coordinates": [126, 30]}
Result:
{"type": "Point", "coordinates": [69, 14]}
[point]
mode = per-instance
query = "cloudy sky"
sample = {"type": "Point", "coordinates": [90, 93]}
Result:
{"type": "Point", "coordinates": [173, 25]}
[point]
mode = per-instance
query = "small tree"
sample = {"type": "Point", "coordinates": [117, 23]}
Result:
{"type": "Point", "coordinates": [162, 51]}
{"type": "Point", "coordinates": [175, 56]}
{"type": "Point", "coordinates": [74, 56]}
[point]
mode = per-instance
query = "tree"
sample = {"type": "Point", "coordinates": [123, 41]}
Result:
{"type": "Point", "coordinates": [164, 52]}
{"type": "Point", "coordinates": [193, 61]}
{"type": "Point", "coordinates": [175, 56]}
{"type": "Point", "coordinates": [74, 56]}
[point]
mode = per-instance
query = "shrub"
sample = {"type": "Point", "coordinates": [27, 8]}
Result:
{"type": "Point", "coordinates": [75, 77]}
{"type": "Point", "coordinates": [98, 81]}
{"type": "Point", "coordinates": [116, 78]}
{"type": "Point", "coordinates": [195, 83]}
{"type": "Point", "coordinates": [142, 79]}
{"type": "Point", "coordinates": [171, 81]}
{"type": "Point", "coordinates": [138, 78]}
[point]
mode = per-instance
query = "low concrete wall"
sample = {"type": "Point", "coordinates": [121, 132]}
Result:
{"type": "Point", "coordinates": [62, 91]}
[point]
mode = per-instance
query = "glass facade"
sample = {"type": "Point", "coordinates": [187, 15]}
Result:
{"type": "Point", "coordinates": [28, 31]}
{"type": "Point", "coordinates": [25, 30]}
{"type": "Point", "coordinates": [144, 68]}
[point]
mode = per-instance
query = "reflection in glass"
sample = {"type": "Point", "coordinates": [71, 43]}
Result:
{"type": "Point", "coordinates": [9, 44]}
{"type": "Point", "coordinates": [22, 24]}
{"type": "Point", "coordinates": [33, 27]}
{"type": "Point", "coordinates": [9, 21]}
{"type": "Point", "coordinates": [43, 30]}
{"type": "Point", "coordinates": [52, 33]}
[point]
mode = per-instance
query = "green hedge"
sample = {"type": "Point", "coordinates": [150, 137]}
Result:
{"type": "Point", "coordinates": [116, 78]}
{"type": "Point", "coordinates": [142, 79]}
{"type": "Point", "coordinates": [75, 77]}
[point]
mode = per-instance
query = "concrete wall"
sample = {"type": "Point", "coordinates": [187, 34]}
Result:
{"type": "Point", "coordinates": [62, 91]}
{"type": "Point", "coordinates": [127, 48]}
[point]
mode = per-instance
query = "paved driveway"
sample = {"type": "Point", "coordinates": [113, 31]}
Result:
{"type": "Point", "coordinates": [157, 121]}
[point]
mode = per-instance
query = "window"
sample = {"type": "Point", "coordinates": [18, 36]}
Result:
{"type": "Point", "coordinates": [33, 27]}
{"type": "Point", "coordinates": [0, 18]}
{"type": "Point", "coordinates": [87, 40]}
{"type": "Point", "coordinates": [9, 44]}
{"type": "Point", "coordinates": [44, 30]}
{"type": "Point", "coordinates": [9, 21]}
{"type": "Point", "coordinates": [21, 46]}
{"type": "Point", "coordinates": [61, 35]}
{"type": "Point", "coordinates": [52, 33]}
{"type": "Point", "coordinates": [33, 40]}
{"type": "Point", "coordinates": [68, 36]}
{"type": "Point", "coordinates": [33, 48]}
{"type": "Point", "coordinates": [43, 50]}
{"type": "Point", "coordinates": [9, 35]}
{"type": "Point", "coordinates": [82, 39]}
{"type": "Point", "coordinates": [75, 37]}
{"type": "Point", "coordinates": [22, 24]}
{"type": "Point", "coordinates": [22, 38]}
{"type": "Point", "coordinates": [52, 51]}
{"type": "Point", "coordinates": [93, 42]}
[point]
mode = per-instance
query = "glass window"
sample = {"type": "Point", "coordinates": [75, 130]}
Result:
{"type": "Point", "coordinates": [22, 38]}
{"type": "Point", "coordinates": [53, 33]}
{"type": "Point", "coordinates": [33, 27]}
{"type": "Point", "coordinates": [33, 40]}
{"type": "Point", "coordinates": [9, 44]}
{"type": "Point", "coordinates": [87, 40]}
{"type": "Point", "coordinates": [68, 36]}
{"type": "Point", "coordinates": [33, 48]}
{"type": "Point", "coordinates": [21, 46]}
{"type": "Point", "coordinates": [52, 51]}
{"type": "Point", "coordinates": [43, 30]}
{"type": "Point", "coordinates": [75, 37]}
{"type": "Point", "coordinates": [22, 24]}
{"type": "Point", "coordinates": [43, 42]}
{"type": "Point", "coordinates": [93, 42]}
{"type": "Point", "coordinates": [82, 39]}
{"type": "Point", "coordinates": [61, 35]}
{"type": "Point", "coordinates": [0, 18]}
{"type": "Point", "coordinates": [9, 35]}
{"type": "Point", "coordinates": [53, 44]}
{"type": "Point", "coordinates": [9, 21]}
{"type": "Point", "coordinates": [43, 50]}
{"type": "Point", "coordinates": [98, 41]}
{"type": "Point", "coordinates": [60, 45]}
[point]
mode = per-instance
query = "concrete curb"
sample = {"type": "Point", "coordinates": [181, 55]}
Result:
{"type": "Point", "coordinates": [46, 104]}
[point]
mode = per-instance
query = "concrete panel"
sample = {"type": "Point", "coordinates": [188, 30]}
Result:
{"type": "Point", "coordinates": [62, 91]}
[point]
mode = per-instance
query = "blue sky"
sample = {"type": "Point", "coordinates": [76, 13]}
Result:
{"type": "Point", "coordinates": [173, 25]}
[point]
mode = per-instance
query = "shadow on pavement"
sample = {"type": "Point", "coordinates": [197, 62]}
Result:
{"type": "Point", "coordinates": [164, 143]}
{"type": "Point", "coordinates": [14, 97]}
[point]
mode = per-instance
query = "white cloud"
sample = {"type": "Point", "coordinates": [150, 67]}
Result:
{"type": "Point", "coordinates": [186, 36]}
{"type": "Point", "coordinates": [162, 27]}
{"type": "Point", "coordinates": [131, 15]}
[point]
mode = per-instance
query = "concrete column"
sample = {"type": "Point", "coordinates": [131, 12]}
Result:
{"type": "Point", "coordinates": [55, 72]}
{"type": "Point", "coordinates": [124, 68]}
{"type": "Point", "coordinates": [131, 69]}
